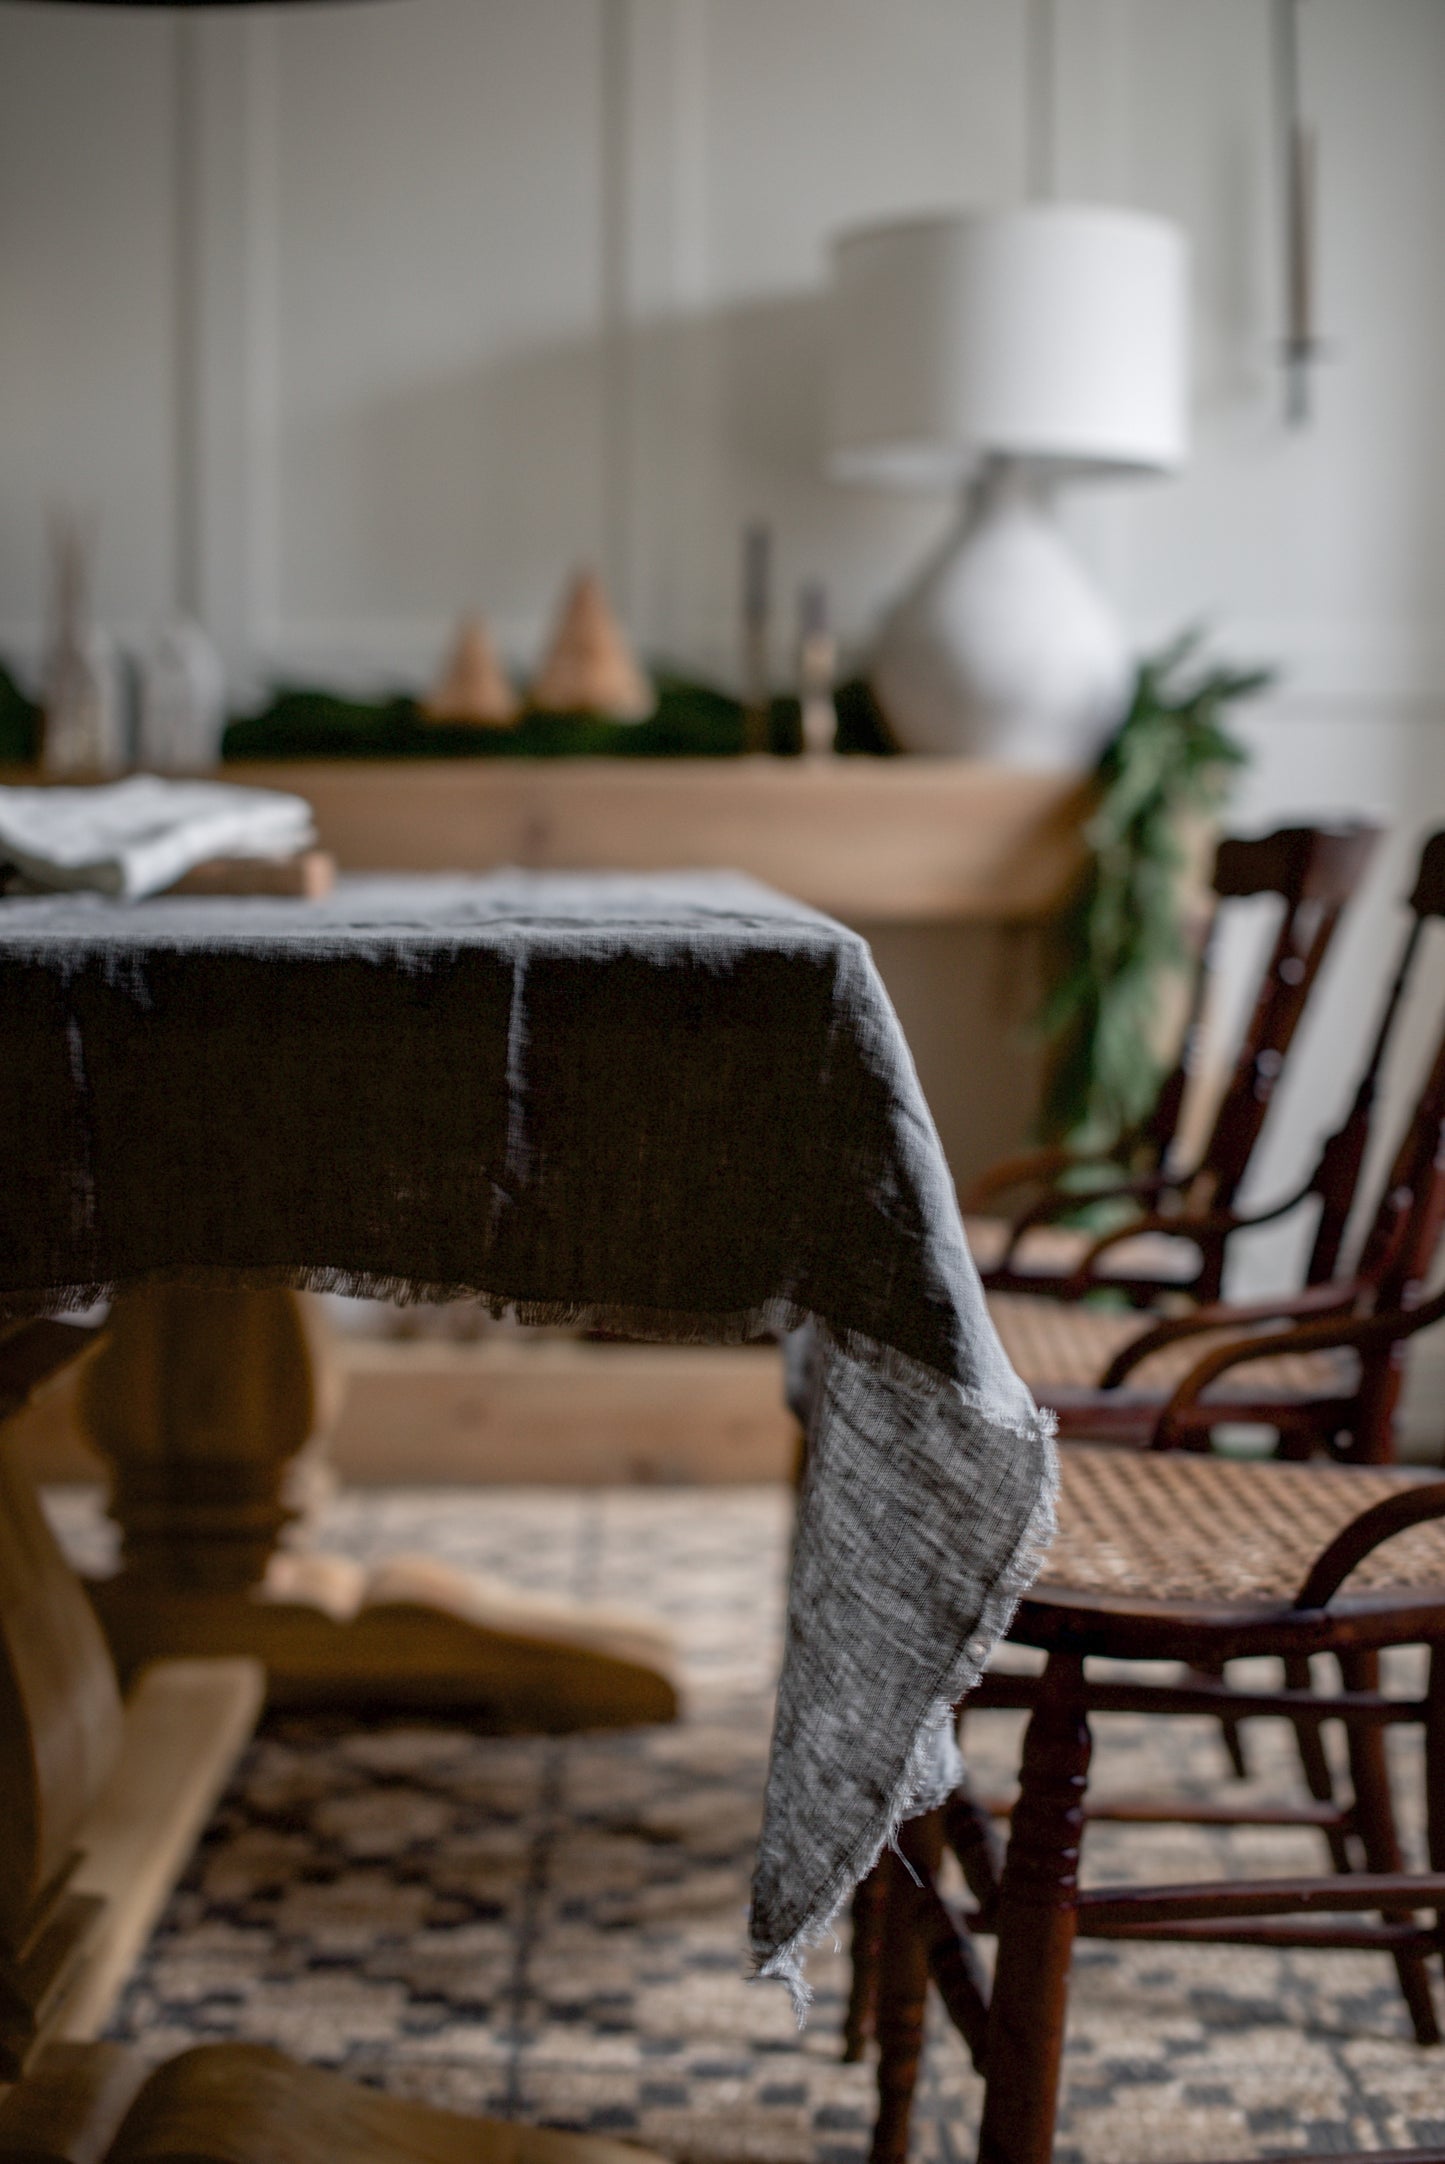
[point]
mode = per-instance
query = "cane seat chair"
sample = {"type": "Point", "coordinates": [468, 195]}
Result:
{"type": "Point", "coordinates": [1064, 1347]}
{"type": "Point", "coordinates": [1314, 871]}
{"type": "Point", "coordinates": [1323, 1366]}
{"type": "Point", "coordinates": [1200, 1561]}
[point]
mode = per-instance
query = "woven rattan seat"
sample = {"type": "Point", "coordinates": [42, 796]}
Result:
{"type": "Point", "coordinates": [1057, 1251]}
{"type": "Point", "coordinates": [1054, 1345]}
{"type": "Point", "coordinates": [1170, 1526]}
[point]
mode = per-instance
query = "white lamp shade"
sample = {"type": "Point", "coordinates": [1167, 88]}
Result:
{"type": "Point", "coordinates": [1054, 333]}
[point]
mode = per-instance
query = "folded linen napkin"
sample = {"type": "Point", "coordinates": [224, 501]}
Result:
{"type": "Point", "coordinates": [135, 837]}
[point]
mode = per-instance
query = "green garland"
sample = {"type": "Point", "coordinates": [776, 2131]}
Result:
{"type": "Point", "coordinates": [693, 721]}
{"type": "Point", "coordinates": [19, 723]}
{"type": "Point", "coordinates": [1122, 932]}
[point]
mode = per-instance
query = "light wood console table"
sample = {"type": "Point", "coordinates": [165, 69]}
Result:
{"type": "Point", "coordinates": [876, 841]}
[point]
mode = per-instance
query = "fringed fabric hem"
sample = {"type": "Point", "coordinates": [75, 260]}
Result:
{"type": "Point", "coordinates": [930, 1771]}
{"type": "Point", "coordinates": [933, 1767]}
{"type": "Point", "coordinates": [776, 1316]}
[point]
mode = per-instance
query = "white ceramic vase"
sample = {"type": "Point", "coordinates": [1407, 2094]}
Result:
{"type": "Point", "coordinates": [1001, 649]}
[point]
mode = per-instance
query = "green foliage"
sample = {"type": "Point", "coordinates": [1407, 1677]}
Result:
{"type": "Point", "coordinates": [19, 723]}
{"type": "Point", "coordinates": [1122, 933]}
{"type": "Point", "coordinates": [692, 721]}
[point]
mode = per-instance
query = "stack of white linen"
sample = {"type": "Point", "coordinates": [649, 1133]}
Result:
{"type": "Point", "coordinates": [136, 837]}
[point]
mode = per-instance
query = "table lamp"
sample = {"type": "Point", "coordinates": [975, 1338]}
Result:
{"type": "Point", "coordinates": [1011, 352]}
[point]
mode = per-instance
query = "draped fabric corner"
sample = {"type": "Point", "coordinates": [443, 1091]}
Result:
{"type": "Point", "coordinates": [678, 1107]}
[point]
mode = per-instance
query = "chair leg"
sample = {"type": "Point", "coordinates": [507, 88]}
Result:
{"type": "Point", "coordinates": [1435, 1766]}
{"type": "Point", "coordinates": [1310, 1743]}
{"type": "Point", "coordinates": [972, 1835]}
{"type": "Point", "coordinates": [1036, 1925]}
{"type": "Point", "coordinates": [869, 1902]}
{"type": "Point", "coordinates": [1230, 1730]}
{"type": "Point", "coordinates": [1375, 1816]}
{"type": "Point", "coordinates": [902, 1982]}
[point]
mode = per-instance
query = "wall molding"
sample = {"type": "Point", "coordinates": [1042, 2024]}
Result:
{"type": "Point", "coordinates": [227, 330]}
{"type": "Point", "coordinates": [654, 198]}
{"type": "Point", "coordinates": [651, 196]}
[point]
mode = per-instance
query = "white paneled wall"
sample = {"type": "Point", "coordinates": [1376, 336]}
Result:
{"type": "Point", "coordinates": [340, 319]}
{"type": "Point", "coordinates": [88, 301]}
{"type": "Point", "coordinates": [441, 272]}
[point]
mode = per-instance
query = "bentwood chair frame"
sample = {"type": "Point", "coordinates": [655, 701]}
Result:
{"type": "Point", "coordinates": [1371, 1315]}
{"type": "Point", "coordinates": [1315, 871]}
{"type": "Point", "coordinates": [908, 1933]}
{"type": "Point", "coordinates": [1335, 1176]}
{"type": "Point", "coordinates": [1318, 1401]}
{"type": "Point", "coordinates": [1376, 1314]}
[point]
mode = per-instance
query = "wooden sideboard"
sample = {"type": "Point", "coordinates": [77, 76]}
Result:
{"type": "Point", "coordinates": [905, 841]}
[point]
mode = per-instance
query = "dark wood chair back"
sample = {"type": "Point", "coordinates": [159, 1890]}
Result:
{"type": "Point", "coordinates": [1372, 1309]}
{"type": "Point", "coordinates": [1373, 1312]}
{"type": "Point", "coordinates": [1292, 862]}
{"type": "Point", "coordinates": [1399, 1247]}
{"type": "Point", "coordinates": [1336, 1176]}
{"type": "Point", "coordinates": [1314, 871]}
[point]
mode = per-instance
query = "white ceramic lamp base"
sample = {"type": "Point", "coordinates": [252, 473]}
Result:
{"type": "Point", "coordinates": [1002, 649]}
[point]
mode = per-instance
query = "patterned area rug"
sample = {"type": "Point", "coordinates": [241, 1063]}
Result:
{"type": "Point", "coordinates": [554, 1929]}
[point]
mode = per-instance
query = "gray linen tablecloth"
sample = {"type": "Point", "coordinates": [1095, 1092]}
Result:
{"type": "Point", "coordinates": [678, 1106]}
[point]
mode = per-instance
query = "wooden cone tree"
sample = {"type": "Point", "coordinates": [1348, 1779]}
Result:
{"type": "Point", "coordinates": [589, 668]}
{"type": "Point", "coordinates": [473, 687]}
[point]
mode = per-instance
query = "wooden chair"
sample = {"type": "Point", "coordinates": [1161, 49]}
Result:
{"type": "Point", "coordinates": [1314, 871]}
{"type": "Point", "coordinates": [101, 1804]}
{"type": "Point", "coordinates": [1333, 1180]}
{"type": "Point", "coordinates": [1197, 1560]}
{"type": "Point", "coordinates": [1323, 1366]}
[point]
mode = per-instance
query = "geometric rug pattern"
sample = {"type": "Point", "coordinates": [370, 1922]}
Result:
{"type": "Point", "coordinates": [553, 1929]}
